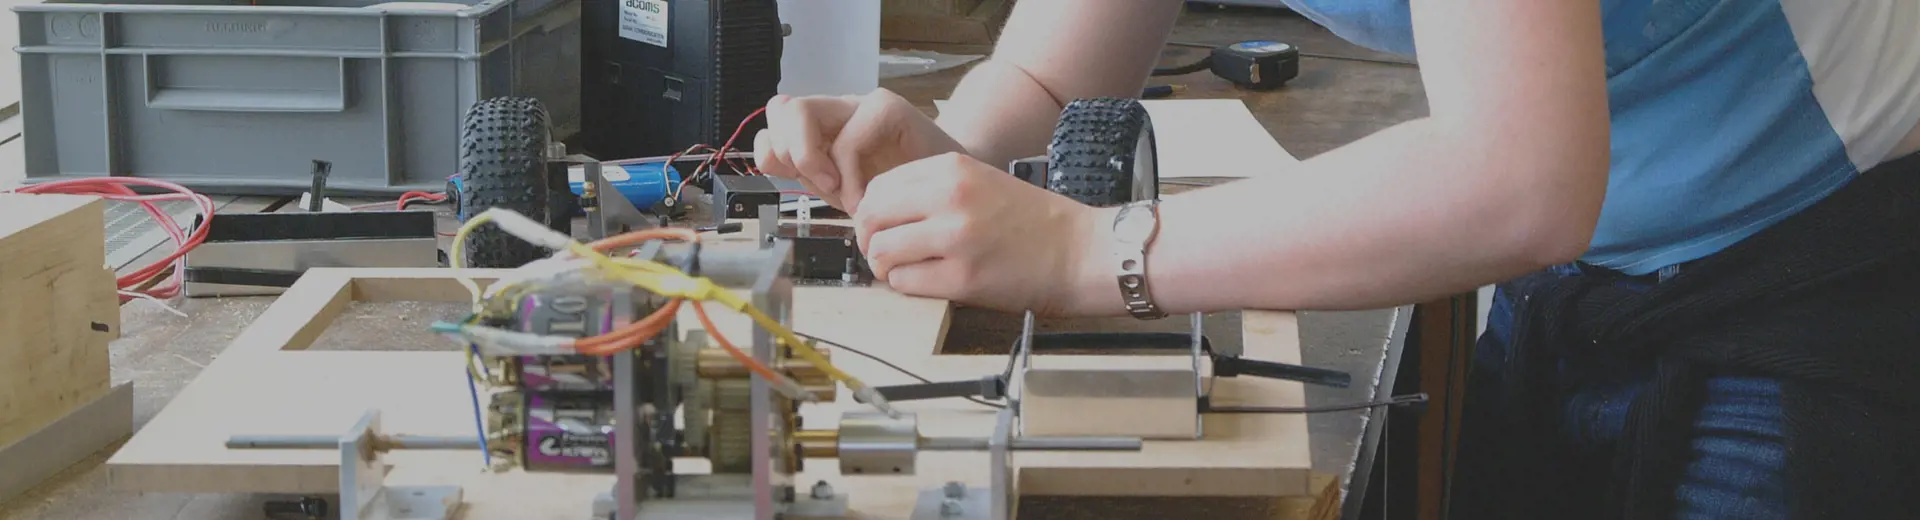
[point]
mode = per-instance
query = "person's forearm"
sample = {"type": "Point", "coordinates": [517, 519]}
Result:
{"type": "Point", "coordinates": [999, 113]}
{"type": "Point", "coordinates": [1049, 54]}
{"type": "Point", "coordinates": [1405, 215]}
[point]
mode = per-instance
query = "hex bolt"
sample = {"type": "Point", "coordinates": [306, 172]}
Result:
{"type": "Point", "coordinates": [955, 489]}
{"type": "Point", "coordinates": [822, 490]}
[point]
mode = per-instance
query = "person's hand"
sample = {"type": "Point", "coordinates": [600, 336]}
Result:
{"type": "Point", "coordinates": [835, 145]}
{"type": "Point", "coordinates": [953, 227]}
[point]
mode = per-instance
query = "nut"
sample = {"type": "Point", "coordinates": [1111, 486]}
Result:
{"type": "Point", "coordinates": [955, 489]}
{"type": "Point", "coordinates": [821, 490]}
{"type": "Point", "coordinates": [950, 507]}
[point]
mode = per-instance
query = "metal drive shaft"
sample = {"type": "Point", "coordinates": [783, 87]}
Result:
{"type": "Point", "coordinates": [323, 442]}
{"type": "Point", "coordinates": [1034, 444]}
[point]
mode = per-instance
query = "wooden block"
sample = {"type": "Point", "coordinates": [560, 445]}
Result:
{"type": "Point", "coordinates": [30, 456]}
{"type": "Point", "coordinates": [979, 26]}
{"type": "Point", "coordinates": [58, 309]}
{"type": "Point", "coordinates": [1151, 397]}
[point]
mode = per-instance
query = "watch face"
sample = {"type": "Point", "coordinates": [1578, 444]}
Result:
{"type": "Point", "coordinates": [1134, 225]}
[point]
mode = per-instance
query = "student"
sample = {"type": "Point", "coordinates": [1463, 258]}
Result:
{"type": "Point", "coordinates": [1703, 215]}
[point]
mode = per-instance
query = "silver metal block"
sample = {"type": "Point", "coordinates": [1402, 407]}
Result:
{"type": "Point", "coordinates": [873, 444]}
{"type": "Point", "coordinates": [417, 503]}
{"type": "Point", "coordinates": [363, 491]}
{"type": "Point", "coordinates": [695, 509]}
{"type": "Point", "coordinates": [300, 255]}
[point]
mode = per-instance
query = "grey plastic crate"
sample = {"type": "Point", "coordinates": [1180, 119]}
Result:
{"type": "Point", "coordinates": [240, 97]}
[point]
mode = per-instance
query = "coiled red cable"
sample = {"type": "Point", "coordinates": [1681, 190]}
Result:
{"type": "Point", "coordinates": [120, 189]}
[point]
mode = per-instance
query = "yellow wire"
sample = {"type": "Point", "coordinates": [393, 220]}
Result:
{"type": "Point", "coordinates": [457, 257]}
{"type": "Point", "coordinates": [667, 281]}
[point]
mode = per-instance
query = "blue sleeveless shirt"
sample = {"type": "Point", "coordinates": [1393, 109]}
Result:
{"type": "Point", "coordinates": [1727, 115]}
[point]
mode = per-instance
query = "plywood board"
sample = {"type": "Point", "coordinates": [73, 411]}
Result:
{"type": "Point", "coordinates": [1232, 145]}
{"type": "Point", "coordinates": [257, 388]}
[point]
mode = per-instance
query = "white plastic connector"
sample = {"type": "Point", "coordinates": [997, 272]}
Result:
{"type": "Point", "coordinates": [494, 342]}
{"type": "Point", "coordinates": [872, 397]}
{"type": "Point", "coordinates": [788, 387]}
{"type": "Point", "coordinates": [529, 230]}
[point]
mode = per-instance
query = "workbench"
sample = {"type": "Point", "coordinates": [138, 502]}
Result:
{"type": "Point", "coordinates": [1333, 102]}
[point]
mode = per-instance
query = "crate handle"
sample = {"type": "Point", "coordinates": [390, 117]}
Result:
{"type": "Point", "coordinates": [183, 82]}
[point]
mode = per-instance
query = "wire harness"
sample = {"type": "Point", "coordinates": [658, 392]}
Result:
{"type": "Point", "coordinates": [589, 264]}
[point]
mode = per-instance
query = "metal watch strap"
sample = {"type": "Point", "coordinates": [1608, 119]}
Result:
{"type": "Point", "coordinates": [1135, 288]}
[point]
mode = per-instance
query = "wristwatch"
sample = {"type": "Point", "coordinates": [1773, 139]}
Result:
{"type": "Point", "coordinates": [1134, 229]}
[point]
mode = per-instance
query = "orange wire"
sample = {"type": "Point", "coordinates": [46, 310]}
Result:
{"type": "Point", "coordinates": [634, 334]}
{"type": "Point", "coordinates": [752, 364]}
{"type": "Point", "coordinates": [630, 335]}
{"type": "Point", "coordinates": [638, 332]}
{"type": "Point", "coordinates": [635, 237]}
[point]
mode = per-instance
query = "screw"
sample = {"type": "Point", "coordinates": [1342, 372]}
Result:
{"type": "Point", "coordinates": [950, 507]}
{"type": "Point", "coordinates": [822, 490]}
{"type": "Point", "coordinates": [955, 489]}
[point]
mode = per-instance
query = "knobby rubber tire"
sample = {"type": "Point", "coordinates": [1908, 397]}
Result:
{"type": "Point", "coordinates": [1095, 150]}
{"type": "Point", "coordinates": [503, 161]}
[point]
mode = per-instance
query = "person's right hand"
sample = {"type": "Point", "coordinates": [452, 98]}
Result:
{"type": "Point", "coordinates": [834, 145]}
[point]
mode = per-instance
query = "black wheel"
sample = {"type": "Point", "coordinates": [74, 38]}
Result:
{"type": "Point", "coordinates": [503, 164]}
{"type": "Point", "coordinates": [1103, 153]}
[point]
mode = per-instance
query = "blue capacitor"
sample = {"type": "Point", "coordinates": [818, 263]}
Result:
{"type": "Point", "coordinates": [644, 185]}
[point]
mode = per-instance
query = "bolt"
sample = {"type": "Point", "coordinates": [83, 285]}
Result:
{"type": "Point", "coordinates": [822, 490]}
{"type": "Point", "coordinates": [950, 507]}
{"type": "Point", "coordinates": [955, 489]}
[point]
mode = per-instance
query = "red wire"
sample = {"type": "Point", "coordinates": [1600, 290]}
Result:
{"type": "Point", "coordinates": [412, 196]}
{"type": "Point", "coordinates": [405, 198]}
{"type": "Point", "coordinates": [116, 188]}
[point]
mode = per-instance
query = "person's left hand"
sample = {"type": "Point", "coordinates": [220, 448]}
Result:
{"type": "Point", "coordinates": [952, 227]}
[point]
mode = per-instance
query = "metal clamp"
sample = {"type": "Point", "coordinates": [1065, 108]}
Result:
{"type": "Point", "coordinates": [364, 494]}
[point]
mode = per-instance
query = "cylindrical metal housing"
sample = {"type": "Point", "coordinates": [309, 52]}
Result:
{"type": "Point", "coordinates": [872, 443]}
{"type": "Point", "coordinates": [818, 444]}
{"type": "Point", "coordinates": [716, 363]}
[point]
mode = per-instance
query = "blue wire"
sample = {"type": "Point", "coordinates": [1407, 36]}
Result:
{"type": "Point", "coordinates": [479, 424]}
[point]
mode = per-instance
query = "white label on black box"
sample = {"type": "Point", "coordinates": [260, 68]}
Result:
{"type": "Point", "coordinates": [644, 21]}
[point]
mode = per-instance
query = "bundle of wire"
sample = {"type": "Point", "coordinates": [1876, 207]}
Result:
{"type": "Point", "coordinates": [405, 199]}
{"type": "Point", "coordinates": [145, 281]}
{"type": "Point", "coordinates": [719, 155]}
{"type": "Point", "coordinates": [574, 263]}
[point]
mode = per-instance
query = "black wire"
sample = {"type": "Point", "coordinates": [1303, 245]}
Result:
{"type": "Point", "coordinates": [1178, 70]}
{"type": "Point", "coordinates": [1395, 401]}
{"type": "Point", "coordinates": [889, 364]}
{"type": "Point", "coordinates": [1013, 355]}
{"type": "Point", "coordinates": [1382, 61]}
